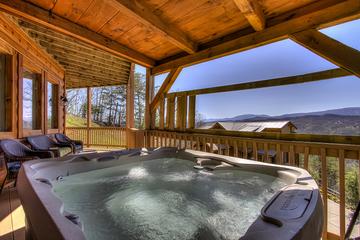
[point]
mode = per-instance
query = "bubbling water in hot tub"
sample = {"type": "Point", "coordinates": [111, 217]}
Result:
{"type": "Point", "coordinates": [165, 199]}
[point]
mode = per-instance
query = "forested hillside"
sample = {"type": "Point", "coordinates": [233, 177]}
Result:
{"type": "Point", "coordinates": [108, 105]}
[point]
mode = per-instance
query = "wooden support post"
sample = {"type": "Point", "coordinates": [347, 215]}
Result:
{"type": "Point", "coordinates": [88, 116]}
{"type": "Point", "coordinates": [19, 70]}
{"type": "Point", "coordinates": [130, 99]}
{"type": "Point", "coordinates": [148, 97]}
{"type": "Point", "coordinates": [162, 113]}
{"type": "Point", "coordinates": [44, 118]}
{"type": "Point", "coordinates": [181, 112]}
{"type": "Point", "coordinates": [170, 112]}
{"type": "Point", "coordinates": [191, 116]}
{"type": "Point", "coordinates": [165, 87]}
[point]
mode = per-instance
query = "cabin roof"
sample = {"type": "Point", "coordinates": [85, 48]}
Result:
{"type": "Point", "coordinates": [247, 126]}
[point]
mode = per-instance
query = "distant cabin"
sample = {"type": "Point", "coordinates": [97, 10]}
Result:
{"type": "Point", "coordinates": [272, 126]}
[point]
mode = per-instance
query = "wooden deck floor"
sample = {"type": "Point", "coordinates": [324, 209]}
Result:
{"type": "Point", "coordinates": [12, 216]}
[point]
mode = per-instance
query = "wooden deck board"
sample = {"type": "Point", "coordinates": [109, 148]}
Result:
{"type": "Point", "coordinates": [12, 216]}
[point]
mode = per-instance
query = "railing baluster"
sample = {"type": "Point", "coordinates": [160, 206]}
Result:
{"type": "Point", "coordinates": [255, 151]}
{"type": "Point", "coordinates": [306, 158]}
{"type": "Point", "coordinates": [342, 192]}
{"type": "Point", "coordinates": [245, 150]}
{"type": "Point", "coordinates": [227, 145]}
{"type": "Point", "coordinates": [278, 158]}
{"type": "Point", "coordinates": [266, 154]}
{"type": "Point", "coordinates": [291, 156]}
{"type": "Point", "coordinates": [197, 143]}
{"type": "Point", "coordinates": [211, 145]}
{"type": "Point", "coordinates": [236, 149]}
{"type": "Point", "coordinates": [203, 144]}
{"type": "Point", "coordinates": [219, 146]}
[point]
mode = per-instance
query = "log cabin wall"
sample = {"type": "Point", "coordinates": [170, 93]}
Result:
{"type": "Point", "coordinates": [26, 63]}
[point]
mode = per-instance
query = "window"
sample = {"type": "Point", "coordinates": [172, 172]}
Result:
{"type": "Point", "coordinates": [31, 100]}
{"type": "Point", "coordinates": [5, 96]}
{"type": "Point", "coordinates": [52, 105]}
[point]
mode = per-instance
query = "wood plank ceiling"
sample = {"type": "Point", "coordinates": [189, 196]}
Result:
{"type": "Point", "coordinates": [165, 34]}
{"type": "Point", "coordinates": [163, 28]}
{"type": "Point", "coordinates": [85, 65]}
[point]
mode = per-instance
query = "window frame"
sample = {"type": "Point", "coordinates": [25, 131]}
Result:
{"type": "Point", "coordinates": [29, 66]}
{"type": "Point", "coordinates": [57, 82]}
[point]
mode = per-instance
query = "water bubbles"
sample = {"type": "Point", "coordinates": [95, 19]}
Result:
{"type": "Point", "coordinates": [165, 199]}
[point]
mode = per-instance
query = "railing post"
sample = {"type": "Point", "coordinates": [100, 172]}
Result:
{"type": "Point", "coordinates": [191, 115]}
{"type": "Point", "coordinates": [130, 99]}
{"type": "Point", "coordinates": [88, 116]}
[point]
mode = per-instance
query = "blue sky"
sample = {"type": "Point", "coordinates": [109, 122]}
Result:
{"type": "Point", "coordinates": [280, 59]}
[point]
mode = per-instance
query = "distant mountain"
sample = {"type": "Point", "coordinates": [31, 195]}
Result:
{"type": "Point", "coordinates": [351, 111]}
{"type": "Point", "coordinates": [236, 118]}
{"type": "Point", "coordinates": [343, 121]}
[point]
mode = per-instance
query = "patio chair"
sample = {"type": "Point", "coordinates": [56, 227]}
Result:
{"type": "Point", "coordinates": [45, 143]}
{"type": "Point", "coordinates": [77, 144]}
{"type": "Point", "coordinates": [15, 153]}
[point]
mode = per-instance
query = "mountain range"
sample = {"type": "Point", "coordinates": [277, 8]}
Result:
{"type": "Point", "coordinates": [342, 121]}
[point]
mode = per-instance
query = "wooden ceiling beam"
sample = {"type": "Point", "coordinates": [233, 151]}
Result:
{"type": "Point", "coordinates": [66, 63]}
{"type": "Point", "coordinates": [330, 49]}
{"type": "Point", "coordinates": [165, 87]}
{"type": "Point", "coordinates": [141, 12]}
{"type": "Point", "coordinates": [347, 10]}
{"type": "Point", "coordinates": [106, 77]}
{"type": "Point", "coordinates": [253, 12]}
{"type": "Point", "coordinates": [96, 73]}
{"type": "Point", "coordinates": [40, 16]}
{"type": "Point", "coordinates": [305, 78]}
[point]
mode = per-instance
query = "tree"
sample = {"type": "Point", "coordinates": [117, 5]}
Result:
{"type": "Point", "coordinates": [352, 187]}
{"type": "Point", "coordinates": [139, 99]}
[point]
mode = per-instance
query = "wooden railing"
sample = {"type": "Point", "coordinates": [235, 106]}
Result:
{"type": "Point", "coordinates": [285, 149]}
{"type": "Point", "coordinates": [99, 136]}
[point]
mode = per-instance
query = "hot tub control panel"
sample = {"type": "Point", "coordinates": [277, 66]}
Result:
{"type": "Point", "coordinates": [290, 203]}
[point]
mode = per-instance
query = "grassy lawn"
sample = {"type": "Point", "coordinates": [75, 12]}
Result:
{"type": "Point", "coordinates": [75, 121]}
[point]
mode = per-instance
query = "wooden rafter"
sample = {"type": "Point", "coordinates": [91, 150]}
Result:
{"type": "Point", "coordinates": [96, 76]}
{"type": "Point", "coordinates": [165, 87]}
{"type": "Point", "coordinates": [347, 10]}
{"type": "Point", "coordinates": [40, 16]}
{"type": "Point", "coordinates": [310, 77]}
{"type": "Point", "coordinates": [139, 11]}
{"type": "Point", "coordinates": [253, 12]}
{"type": "Point", "coordinates": [50, 38]}
{"type": "Point", "coordinates": [10, 31]}
{"type": "Point", "coordinates": [330, 49]}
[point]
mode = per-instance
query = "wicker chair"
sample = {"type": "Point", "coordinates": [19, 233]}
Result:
{"type": "Point", "coordinates": [77, 144]}
{"type": "Point", "coordinates": [45, 143]}
{"type": "Point", "coordinates": [15, 153]}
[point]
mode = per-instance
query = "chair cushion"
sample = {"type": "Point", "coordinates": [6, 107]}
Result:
{"type": "Point", "coordinates": [14, 166]}
{"type": "Point", "coordinates": [64, 151]}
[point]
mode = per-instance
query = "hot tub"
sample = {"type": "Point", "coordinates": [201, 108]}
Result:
{"type": "Point", "coordinates": [167, 193]}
